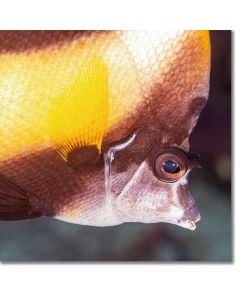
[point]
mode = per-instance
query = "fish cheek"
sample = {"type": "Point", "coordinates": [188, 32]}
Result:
{"type": "Point", "coordinates": [144, 198]}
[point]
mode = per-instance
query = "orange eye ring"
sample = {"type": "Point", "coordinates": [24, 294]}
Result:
{"type": "Point", "coordinates": [171, 164]}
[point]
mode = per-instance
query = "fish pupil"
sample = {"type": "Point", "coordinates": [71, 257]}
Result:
{"type": "Point", "coordinates": [171, 167]}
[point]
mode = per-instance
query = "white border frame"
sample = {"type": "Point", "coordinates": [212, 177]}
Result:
{"type": "Point", "coordinates": [127, 281]}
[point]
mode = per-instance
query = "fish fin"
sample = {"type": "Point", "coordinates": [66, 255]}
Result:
{"type": "Point", "coordinates": [14, 202]}
{"type": "Point", "coordinates": [79, 117]}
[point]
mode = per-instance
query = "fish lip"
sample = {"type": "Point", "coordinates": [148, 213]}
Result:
{"type": "Point", "coordinates": [187, 224]}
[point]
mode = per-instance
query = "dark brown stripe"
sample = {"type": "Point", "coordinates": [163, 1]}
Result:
{"type": "Point", "coordinates": [16, 41]}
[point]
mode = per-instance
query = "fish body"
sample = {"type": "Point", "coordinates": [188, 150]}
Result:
{"type": "Point", "coordinates": [94, 125]}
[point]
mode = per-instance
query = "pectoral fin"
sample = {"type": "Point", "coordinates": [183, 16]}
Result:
{"type": "Point", "coordinates": [78, 119]}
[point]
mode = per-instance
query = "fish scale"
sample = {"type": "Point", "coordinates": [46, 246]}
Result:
{"type": "Point", "coordinates": [156, 80]}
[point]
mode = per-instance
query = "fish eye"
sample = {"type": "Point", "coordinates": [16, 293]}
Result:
{"type": "Point", "coordinates": [171, 164]}
{"type": "Point", "coordinates": [171, 167]}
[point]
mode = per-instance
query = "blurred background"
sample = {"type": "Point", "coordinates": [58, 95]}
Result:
{"type": "Point", "coordinates": [52, 240]}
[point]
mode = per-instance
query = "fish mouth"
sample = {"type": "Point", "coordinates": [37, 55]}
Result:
{"type": "Point", "coordinates": [190, 217]}
{"type": "Point", "coordinates": [187, 224]}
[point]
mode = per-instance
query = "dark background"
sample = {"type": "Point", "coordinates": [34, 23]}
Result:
{"type": "Point", "coordinates": [52, 240]}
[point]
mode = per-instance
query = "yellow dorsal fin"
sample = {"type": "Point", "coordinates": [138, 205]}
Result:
{"type": "Point", "coordinates": [79, 116]}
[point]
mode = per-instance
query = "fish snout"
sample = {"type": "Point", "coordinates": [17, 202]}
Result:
{"type": "Point", "coordinates": [191, 213]}
{"type": "Point", "coordinates": [190, 216]}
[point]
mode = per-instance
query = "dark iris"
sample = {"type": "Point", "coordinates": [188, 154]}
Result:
{"type": "Point", "coordinates": [171, 167]}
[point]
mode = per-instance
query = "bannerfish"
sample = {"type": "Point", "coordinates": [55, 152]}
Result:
{"type": "Point", "coordinates": [95, 125]}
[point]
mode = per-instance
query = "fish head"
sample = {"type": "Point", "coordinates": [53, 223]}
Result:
{"type": "Point", "coordinates": [148, 181]}
{"type": "Point", "coordinates": [157, 189]}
